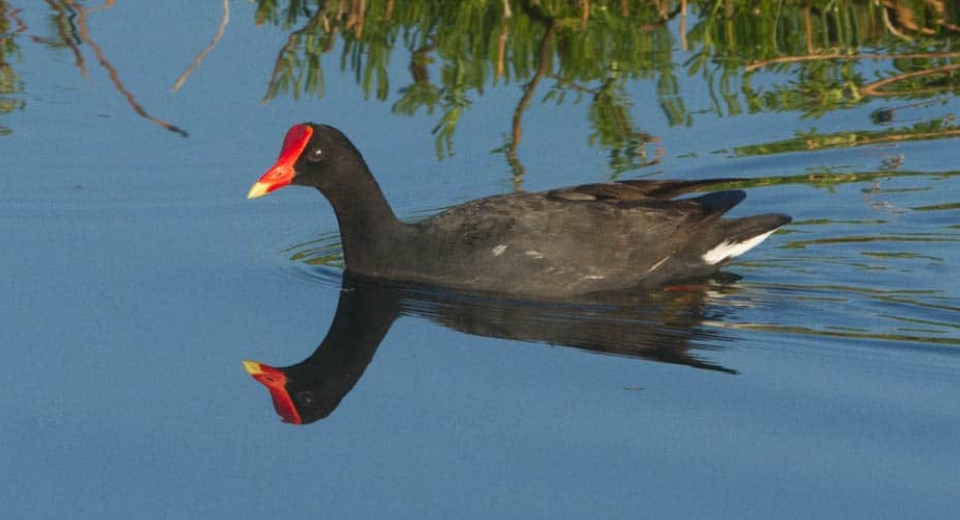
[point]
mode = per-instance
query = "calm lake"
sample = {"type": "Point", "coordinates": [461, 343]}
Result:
{"type": "Point", "coordinates": [819, 378]}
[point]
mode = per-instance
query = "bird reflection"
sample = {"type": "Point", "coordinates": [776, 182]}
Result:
{"type": "Point", "coordinates": [662, 325]}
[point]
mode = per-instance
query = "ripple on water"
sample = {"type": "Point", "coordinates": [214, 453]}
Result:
{"type": "Point", "coordinates": [317, 260]}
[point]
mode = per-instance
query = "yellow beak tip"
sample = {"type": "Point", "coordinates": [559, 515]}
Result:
{"type": "Point", "coordinates": [252, 367]}
{"type": "Point", "coordinates": [258, 190]}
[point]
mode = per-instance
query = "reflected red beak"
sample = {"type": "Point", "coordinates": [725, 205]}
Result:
{"type": "Point", "coordinates": [276, 382]}
{"type": "Point", "coordinates": [282, 173]}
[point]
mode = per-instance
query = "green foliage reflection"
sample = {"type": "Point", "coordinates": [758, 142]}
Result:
{"type": "Point", "coordinates": [10, 84]}
{"type": "Point", "coordinates": [814, 56]}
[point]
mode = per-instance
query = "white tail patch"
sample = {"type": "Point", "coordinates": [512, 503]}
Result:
{"type": "Point", "coordinates": [727, 249]}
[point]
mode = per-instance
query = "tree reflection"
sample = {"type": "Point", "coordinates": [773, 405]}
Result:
{"type": "Point", "coordinates": [69, 30]}
{"type": "Point", "coordinates": [11, 87]}
{"type": "Point", "coordinates": [807, 56]}
{"type": "Point", "coordinates": [815, 52]}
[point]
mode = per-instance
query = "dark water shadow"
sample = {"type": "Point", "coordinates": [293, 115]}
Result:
{"type": "Point", "coordinates": [666, 326]}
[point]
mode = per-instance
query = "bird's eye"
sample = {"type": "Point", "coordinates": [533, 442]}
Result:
{"type": "Point", "coordinates": [315, 155]}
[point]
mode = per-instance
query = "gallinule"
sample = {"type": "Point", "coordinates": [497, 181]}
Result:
{"type": "Point", "coordinates": [551, 244]}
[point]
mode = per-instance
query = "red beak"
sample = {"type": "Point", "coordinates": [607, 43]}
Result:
{"type": "Point", "coordinates": [282, 173]}
{"type": "Point", "coordinates": [276, 382]}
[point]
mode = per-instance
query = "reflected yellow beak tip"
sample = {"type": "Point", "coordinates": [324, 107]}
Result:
{"type": "Point", "coordinates": [259, 189]}
{"type": "Point", "coordinates": [252, 367]}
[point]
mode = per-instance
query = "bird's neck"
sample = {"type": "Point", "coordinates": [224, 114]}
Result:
{"type": "Point", "coordinates": [367, 223]}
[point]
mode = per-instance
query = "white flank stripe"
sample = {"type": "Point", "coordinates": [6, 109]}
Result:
{"type": "Point", "coordinates": [727, 249]}
{"type": "Point", "coordinates": [658, 264]}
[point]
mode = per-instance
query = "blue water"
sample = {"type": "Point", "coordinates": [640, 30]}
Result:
{"type": "Point", "coordinates": [137, 277]}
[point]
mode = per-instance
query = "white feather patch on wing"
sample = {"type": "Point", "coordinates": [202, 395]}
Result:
{"type": "Point", "coordinates": [727, 249]}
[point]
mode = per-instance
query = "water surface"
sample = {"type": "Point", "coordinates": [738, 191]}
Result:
{"type": "Point", "coordinates": [823, 382]}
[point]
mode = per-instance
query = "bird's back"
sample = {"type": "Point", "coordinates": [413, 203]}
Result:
{"type": "Point", "coordinates": [562, 243]}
